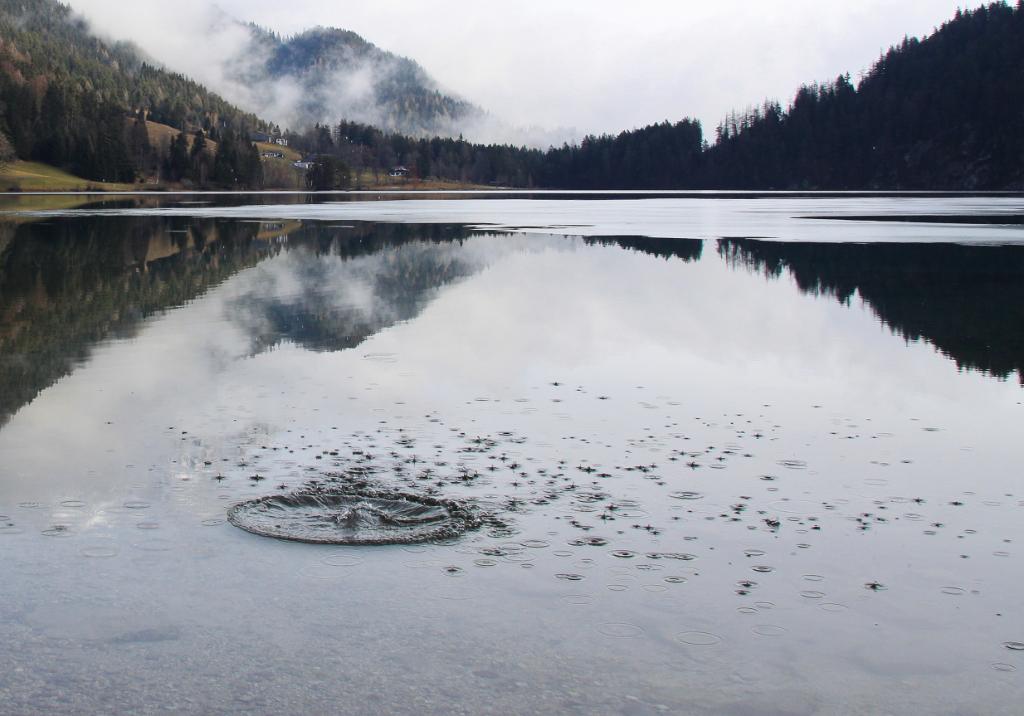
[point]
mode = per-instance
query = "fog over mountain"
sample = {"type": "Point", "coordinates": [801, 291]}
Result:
{"type": "Point", "coordinates": [324, 74]}
{"type": "Point", "coordinates": [319, 75]}
{"type": "Point", "coordinates": [931, 113]}
{"type": "Point", "coordinates": [589, 67]}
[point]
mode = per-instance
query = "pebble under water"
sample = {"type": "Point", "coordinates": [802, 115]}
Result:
{"type": "Point", "coordinates": [508, 474]}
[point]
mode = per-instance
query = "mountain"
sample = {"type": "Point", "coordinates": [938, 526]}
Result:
{"type": "Point", "coordinates": [326, 74]}
{"type": "Point", "coordinates": [943, 112]}
{"type": "Point", "coordinates": [66, 98]}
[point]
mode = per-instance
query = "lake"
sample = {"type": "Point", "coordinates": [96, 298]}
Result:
{"type": "Point", "coordinates": [751, 454]}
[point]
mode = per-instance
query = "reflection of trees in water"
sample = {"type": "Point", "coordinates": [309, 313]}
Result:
{"type": "Point", "coordinates": [69, 285]}
{"type": "Point", "coordinates": [967, 301]}
{"type": "Point", "coordinates": [685, 249]}
{"type": "Point", "coordinates": [66, 286]}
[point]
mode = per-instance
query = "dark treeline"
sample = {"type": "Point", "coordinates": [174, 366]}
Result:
{"type": "Point", "coordinates": [967, 301]}
{"type": "Point", "coordinates": [946, 112]}
{"type": "Point", "coordinates": [661, 156]}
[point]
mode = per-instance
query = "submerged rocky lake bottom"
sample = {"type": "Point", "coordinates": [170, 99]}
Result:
{"type": "Point", "coordinates": [609, 455]}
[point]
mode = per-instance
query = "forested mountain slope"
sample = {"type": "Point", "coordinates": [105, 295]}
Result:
{"type": "Point", "coordinates": [939, 113]}
{"type": "Point", "coordinates": [66, 97]}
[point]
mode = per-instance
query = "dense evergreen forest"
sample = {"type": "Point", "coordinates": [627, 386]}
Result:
{"type": "Point", "coordinates": [944, 112]}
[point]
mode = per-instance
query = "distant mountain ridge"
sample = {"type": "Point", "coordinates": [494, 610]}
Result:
{"type": "Point", "coordinates": [943, 112]}
{"type": "Point", "coordinates": [330, 74]}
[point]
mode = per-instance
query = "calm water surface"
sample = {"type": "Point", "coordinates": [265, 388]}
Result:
{"type": "Point", "coordinates": [737, 460]}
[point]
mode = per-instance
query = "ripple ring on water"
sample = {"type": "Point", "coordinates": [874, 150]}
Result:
{"type": "Point", "coordinates": [620, 630]}
{"type": "Point", "coordinates": [98, 552]}
{"type": "Point", "coordinates": [833, 607]}
{"type": "Point", "coordinates": [154, 545]}
{"type": "Point", "coordinates": [698, 638]}
{"type": "Point", "coordinates": [341, 560]}
{"type": "Point", "coordinates": [578, 600]}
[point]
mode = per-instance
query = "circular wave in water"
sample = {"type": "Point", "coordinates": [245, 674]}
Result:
{"type": "Point", "coordinates": [364, 517]}
{"type": "Point", "coordinates": [698, 638]}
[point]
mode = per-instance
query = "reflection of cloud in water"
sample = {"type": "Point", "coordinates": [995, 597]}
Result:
{"type": "Point", "coordinates": [323, 301]}
{"type": "Point", "coordinates": [495, 315]}
{"type": "Point", "coordinates": [131, 392]}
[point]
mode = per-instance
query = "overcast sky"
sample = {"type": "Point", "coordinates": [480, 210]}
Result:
{"type": "Point", "coordinates": [589, 65]}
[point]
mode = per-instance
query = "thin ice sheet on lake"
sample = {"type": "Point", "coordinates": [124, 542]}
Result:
{"type": "Point", "coordinates": [784, 217]}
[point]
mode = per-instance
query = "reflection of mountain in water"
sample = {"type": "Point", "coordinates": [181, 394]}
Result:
{"type": "Point", "coordinates": [968, 301]}
{"type": "Point", "coordinates": [69, 285]}
{"type": "Point", "coordinates": [332, 290]}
